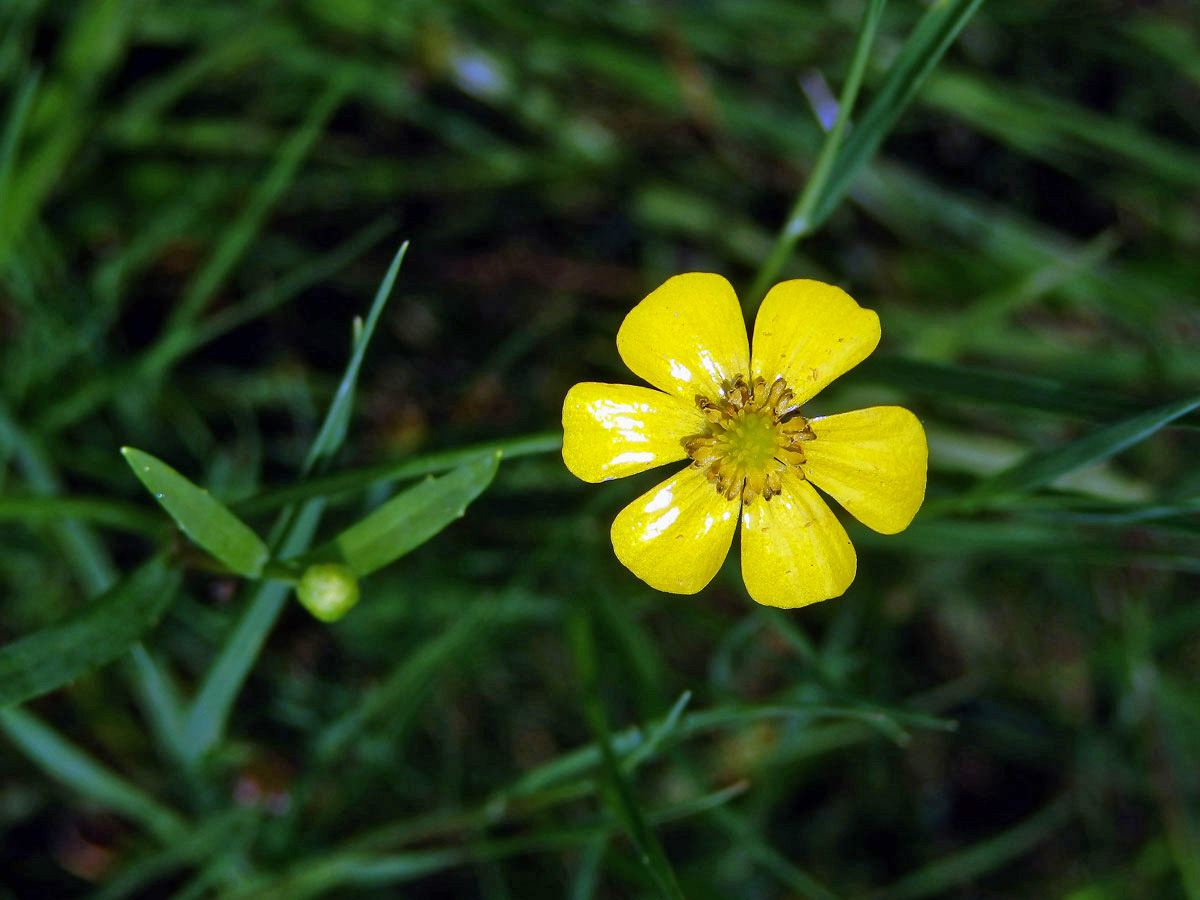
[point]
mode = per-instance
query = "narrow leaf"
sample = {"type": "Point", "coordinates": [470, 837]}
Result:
{"type": "Point", "coordinates": [1007, 389]}
{"type": "Point", "coordinates": [237, 239]}
{"type": "Point", "coordinates": [202, 517]}
{"type": "Point", "coordinates": [106, 628]}
{"type": "Point", "coordinates": [404, 689]}
{"type": "Point", "coordinates": [337, 420]}
{"type": "Point", "coordinates": [943, 875]}
{"type": "Point", "coordinates": [798, 221]}
{"type": "Point", "coordinates": [9, 142]}
{"type": "Point", "coordinates": [414, 516]}
{"type": "Point", "coordinates": [85, 775]}
{"type": "Point", "coordinates": [1042, 468]}
{"type": "Point", "coordinates": [616, 789]}
{"type": "Point", "coordinates": [917, 58]}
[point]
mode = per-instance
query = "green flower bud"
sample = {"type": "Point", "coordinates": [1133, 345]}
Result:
{"type": "Point", "coordinates": [327, 590]}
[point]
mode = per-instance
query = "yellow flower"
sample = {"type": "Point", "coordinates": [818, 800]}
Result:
{"type": "Point", "coordinates": [737, 416]}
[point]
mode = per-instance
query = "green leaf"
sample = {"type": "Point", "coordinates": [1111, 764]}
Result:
{"type": "Point", "coordinates": [237, 239]}
{"type": "Point", "coordinates": [617, 791]}
{"type": "Point", "coordinates": [940, 381]}
{"type": "Point", "coordinates": [40, 662]}
{"type": "Point", "coordinates": [962, 866]}
{"type": "Point", "coordinates": [337, 419]}
{"type": "Point", "coordinates": [87, 776]}
{"type": "Point", "coordinates": [405, 688]}
{"type": "Point", "coordinates": [202, 517]}
{"type": "Point", "coordinates": [413, 516]}
{"type": "Point", "coordinates": [917, 58]}
{"type": "Point", "coordinates": [13, 129]}
{"type": "Point", "coordinates": [1041, 468]}
{"type": "Point", "coordinates": [227, 831]}
{"type": "Point", "coordinates": [798, 223]}
{"type": "Point", "coordinates": [100, 510]}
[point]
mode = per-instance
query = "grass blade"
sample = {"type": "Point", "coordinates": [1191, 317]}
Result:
{"type": "Point", "coordinates": [921, 53]}
{"type": "Point", "coordinates": [97, 510]}
{"type": "Point", "coordinates": [227, 830]}
{"type": "Point", "coordinates": [799, 222]}
{"type": "Point", "coordinates": [939, 382]}
{"type": "Point", "coordinates": [337, 420]}
{"type": "Point", "coordinates": [1042, 468]}
{"type": "Point", "coordinates": [403, 689]}
{"type": "Point", "coordinates": [69, 765]}
{"type": "Point", "coordinates": [14, 126]}
{"type": "Point", "coordinates": [237, 238]}
{"type": "Point", "coordinates": [200, 516]}
{"type": "Point", "coordinates": [986, 856]}
{"type": "Point", "coordinates": [619, 793]}
{"type": "Point", "coordinates": [106, 628]}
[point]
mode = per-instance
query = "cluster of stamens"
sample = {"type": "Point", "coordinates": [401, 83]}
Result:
{"type": "Point", "coordinates": [752, 436]}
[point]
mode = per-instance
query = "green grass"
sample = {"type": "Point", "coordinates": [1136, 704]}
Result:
{"type": "Point", "coordinates": [198, 203]}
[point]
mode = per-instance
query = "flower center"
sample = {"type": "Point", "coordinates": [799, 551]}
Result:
{"type": "Point", "coordinates": [751, 437]}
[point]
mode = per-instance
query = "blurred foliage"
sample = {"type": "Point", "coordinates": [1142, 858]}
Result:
{"type": "Point", "coordinates": [197, 199]}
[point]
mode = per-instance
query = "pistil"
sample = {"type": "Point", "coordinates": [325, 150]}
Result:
{"type": "Point", "coordinates": [753, 435]}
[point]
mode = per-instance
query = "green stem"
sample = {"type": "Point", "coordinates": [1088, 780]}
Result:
{"type": "Point", "coordinates": [800, 221]}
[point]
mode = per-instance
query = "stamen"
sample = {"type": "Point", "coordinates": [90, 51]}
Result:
{"type": "Point", "coordinates": [749, 439]}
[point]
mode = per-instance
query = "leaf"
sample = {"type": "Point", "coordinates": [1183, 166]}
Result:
{"type": "Point", "coordinates": [617, 791]}
{"type": "Point", "coordinates": [963, 866]}
{"type": "Point", "coordinates": [86, 776]}
{"type": "Point", "coordinates": [405, 688]}
{"type": "Point", "coordinates": [337, 419]}
{"type": "Point", "coordinates": [413, 516]}
{"type": "Point", "coordinates": [201, 516]}
{"type": "Point", "coordinates": [47, 659]}
{"type": "Point", "coordinates": [798, 223]}
{"type": "Point", "coordinates": [14, 126]}
{"type": "Point", "coordinates": [1008, 389]}
{"type": "Point", "coordinates": [917, 58]}
{"type": "Point", "coordinates": [1041, 468]}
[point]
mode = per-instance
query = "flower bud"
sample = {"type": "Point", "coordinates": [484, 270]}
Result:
{"type": "Point", "coordinates": [327, 590]}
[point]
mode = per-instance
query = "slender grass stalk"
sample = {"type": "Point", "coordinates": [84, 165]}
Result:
{"type": "Point", "coordinates": [241, 233]}
{"type": "Point", "coordinates": [986, 856]}
{"type": "Point", "coordinates": [69, 765]}
{"type": "Point", "coordinates": [13, 128]}
{"type": "Point", "coordinates": [621, 798]}
{"type": "Point", "coordinates": [208, 715]}
{"type": "Point", "coordinates": [800, 220]}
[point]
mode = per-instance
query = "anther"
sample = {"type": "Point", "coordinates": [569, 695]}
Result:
{"type": "Point", "coordinates": [748, 440]}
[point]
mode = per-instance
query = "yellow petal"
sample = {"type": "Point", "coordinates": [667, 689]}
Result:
{"type": "Point", "coordinates": [613, 430]}
{"type": "Point", "coordinates": [794, 551]}
{"type": "Point", "coordinates": [873, 462]}
{"type": "Point", "coordinates": [810, 333]}
{"type": "Point", "coordinates": [676, 535]}
{"type": "Point", "coordinates": [687, 336]}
